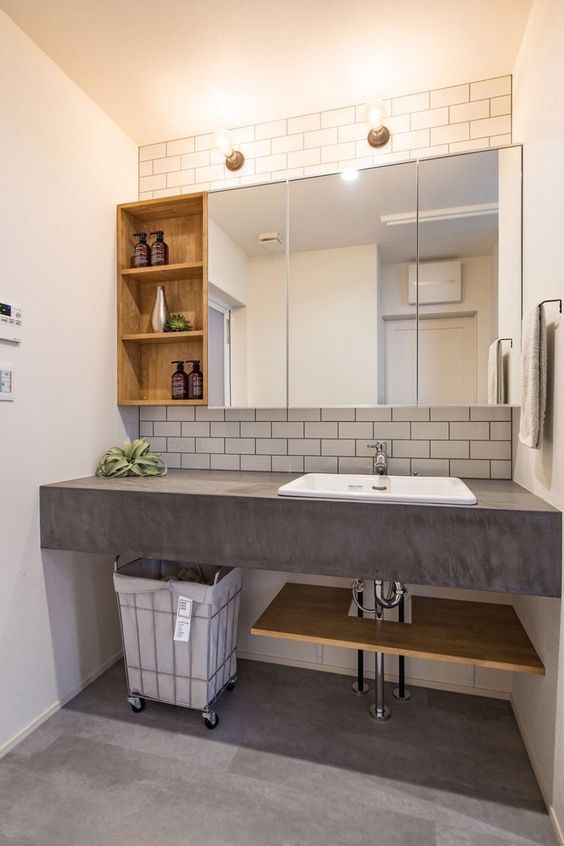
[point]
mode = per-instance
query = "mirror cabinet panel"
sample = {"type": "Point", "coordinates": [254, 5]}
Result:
{"type": "Point", "coordinates": [401, 286]}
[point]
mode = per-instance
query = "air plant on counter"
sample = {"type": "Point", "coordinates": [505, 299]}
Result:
{"type": "Point", "coordinates": [133, 459]}
{"type": "Point", "coordinates": [177, 323]}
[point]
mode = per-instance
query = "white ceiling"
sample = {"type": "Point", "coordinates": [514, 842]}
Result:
{"type": "Point", "coordinates": [326, 212]}
{"type": "Point", "coordinates": [170, 69]}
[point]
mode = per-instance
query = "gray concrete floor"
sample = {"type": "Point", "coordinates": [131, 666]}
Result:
{"type": "Point", "coordinates": [295, 761]}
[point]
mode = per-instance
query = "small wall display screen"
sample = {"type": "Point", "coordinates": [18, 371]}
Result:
{"type": "Point", "coordinates": [5, 310]}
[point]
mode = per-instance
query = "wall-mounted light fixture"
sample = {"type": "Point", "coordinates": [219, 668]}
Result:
{"type": "Point", "coordinates": [234, 159]}
{"type": "Point", "coordinates": [375, 113]}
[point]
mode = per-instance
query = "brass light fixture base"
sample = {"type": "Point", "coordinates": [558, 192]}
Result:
{"type": "Point", "coordinates": [235, 161]}
{"type": "Point", "coordinates": [378, 137]}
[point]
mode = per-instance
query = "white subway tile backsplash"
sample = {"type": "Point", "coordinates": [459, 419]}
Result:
{"type": "Point", "coordinates": [477, 431]}
{"type": "Point", "coordinates": [500, 106]}
{"type": "Point", "coordinates": [380, 413]}
{"type": "Point", "coordinates": [256, 463]}
{"type": "Point", "coordinates": [334, 152]}
{"type": "Point", "coordinates": [225, 430]}
{"type": "Point", "coordinates": [225, 462]}
{"type": "Point", "coordinates": [500, 431]}
{"type": "Point", "coordinates": [256, 430]}
{"type": "Point", "coordinates": [338, 117]}
{"type": "Point", "coordinates": [240, 446]}
{"type": "Point", "coordinates": [304, 446]}
{"type": "Point", "coordinates": [320, 464]}
{"type": "Point", "coordinates": [471, 469]}
{"type": "Point", "coordinates": [321, 430]}
{"type": "Point", "coordinates": [496, 87]}
{"type": "Point", "coordinates": [180, 177]}
{"type": "Point", "coordinates": [436, 431]}
{"type": "Point", "coordinates": [272, 129]}
{"type": "Point", "coordinates": [320, 137]}
{"type": "Point", "coordinates": [152, 151]}
{"type": "Point", "coordinates": [490, 126]}
{"type": "Point", "coordinates": [450, 96]}
{"type": "Point", "coordinates": [183, 413]}
{"type": "Point", "coordinates": [469, 111]}
{"type": "Point", "coordinates": [500, 469]}
{"type": "Point", "coordinates": [435, 440]}
{"type": "Point", "coordinates": [166, 165]}
{"type": "Point", "coordinates": [287, 430]}
{"type": "Point", "coordinates": [271, 446]}
{"type": "Point", "coordinates": [266, 164]}
{"type": "Point", "coordinates": [402, 141]}
{"type": "Point", "coordinates": [288, 144]}
{"type": "Point", "coordinates": [450, 449]}
{"type": "Point", "coordinates": [149, 183]}
{"type": "Point", "coordinates": [210, 445]}
{"type": "Point", "coordinates": [338, 446]}
{"type": "Point", "coordinates": [162, 428]}
{"type": "Point", "coordinates": [180, 146]}
{"type": "Point", "coordinates": [410, 412]}
{"type": "Point", "coordinates": [356, 430]}
{"type": "Point", "coordinates": [430, 466]}
{"type": "Point", "coordinates": [410, 103]}
{"type": "Point", "coordinates": [304, 123]}
{"type": "Point", "coordinates": [287, 464]}
{"type": "Point", "coordinates": [193, 461]}
{"type": "Point", "coordinates": [490, 412]}
{"type": "Point", "coordinates": [196, 430]}
{"type": "Point", "coordinates": [411, 449]}
{"type": "Point", "coordinates": [146, 168]}
{"type": "Point", "coordinates": [356, 465]}
{"type": "Point", "coordinates": [448, 134]}
{"type": "Point", "coordinates": [172, 459]}
{"type": "Point", "coordinates": [337, 414]}
{"type": "Point", "coordinates": [491, 449]}
{"type": "Point", "coordinates": [431, 117]}
{"type": "Point", "coordinates": [181, 444]}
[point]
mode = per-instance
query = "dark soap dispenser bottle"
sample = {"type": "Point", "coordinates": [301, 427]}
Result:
{"type": "Point", "coordinates": [141, 252]}
{"type": "Point", "coordinates": [179, 382]}
{"type": "Point", "coordinates": [159, 249]}
{"type": "Point", "coordinates": [195, 381]}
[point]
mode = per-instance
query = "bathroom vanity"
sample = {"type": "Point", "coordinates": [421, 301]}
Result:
{"type": "Point", "coordinates": [510, 541]}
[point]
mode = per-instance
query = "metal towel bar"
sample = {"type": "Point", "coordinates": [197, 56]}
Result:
{"type": "Point", "coordinates": [559, 301]}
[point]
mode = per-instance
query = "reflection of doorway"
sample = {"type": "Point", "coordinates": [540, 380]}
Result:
{"type": "Point", "coordinates": [447, 360]}
{"type": "Point", "coordinates": [219, 367]}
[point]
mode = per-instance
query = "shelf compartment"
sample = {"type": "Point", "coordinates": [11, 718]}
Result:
{"type": "Point", "coordinates": [146, 369]}
{"type": "Point", "coordinates": [478, 633]}
{"type": "Point", "coordinates": [164, 272]}
{"type": "Point", "coordinates": [162, 337]}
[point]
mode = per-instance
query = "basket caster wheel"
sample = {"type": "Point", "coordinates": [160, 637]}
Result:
{"type": "Point", "coordinates": [231, 683]}
{"type": "Point", "coordinates": [137, 704]}
{"type": "Point", "coordinates": [211, 720]}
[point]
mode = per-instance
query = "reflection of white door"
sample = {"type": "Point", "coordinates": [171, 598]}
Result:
{"type": "Point", "coordinates": [447, 360]}
{"type": "Point", "coordinates": [219, 381]}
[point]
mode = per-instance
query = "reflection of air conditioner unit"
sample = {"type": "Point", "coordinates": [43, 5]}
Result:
{"type": "Point", "coordinates": [269, 239]}
{"type": "Point", "coordinates": [439, 282]}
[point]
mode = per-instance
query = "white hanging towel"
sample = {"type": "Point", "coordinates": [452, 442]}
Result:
{"type": "Point", "coordinates": [533, 386]}
{"type": "Point", "coordinates": [496, 382]}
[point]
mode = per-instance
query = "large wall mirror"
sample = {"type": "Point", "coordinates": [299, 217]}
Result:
{"type": "Point", "coordinates": [401, 286]}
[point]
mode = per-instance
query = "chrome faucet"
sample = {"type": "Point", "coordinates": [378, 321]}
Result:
{"type": "Point", "coordinates": [380, 458]}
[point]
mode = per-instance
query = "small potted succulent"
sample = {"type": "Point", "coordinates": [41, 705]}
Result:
{"type": "Point", "coordinates": [133, 459]}
{"type": "Point", "coordinates": [177, 323]}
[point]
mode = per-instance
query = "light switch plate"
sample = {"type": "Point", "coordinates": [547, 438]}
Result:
{"type": "Point", "coordinates": [6, 381]}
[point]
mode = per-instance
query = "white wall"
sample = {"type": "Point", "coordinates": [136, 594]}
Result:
{"type": "Point", "coordinates": [539, 123]}
{"type": "Point", "coordinates": [64, 167]}
{"type": "Point", "coordinates": [333, 325]}
{"type": "Point", "coordinates": [266, 331]}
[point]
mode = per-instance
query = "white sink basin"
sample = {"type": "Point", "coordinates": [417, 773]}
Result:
{"type": "Point", "coordinates": [439, 489]}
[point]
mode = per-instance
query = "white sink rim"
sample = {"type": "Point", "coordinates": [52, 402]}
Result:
{"type": "Point", "coordinates": [433, 490]}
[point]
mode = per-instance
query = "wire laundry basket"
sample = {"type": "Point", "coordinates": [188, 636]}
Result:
{"type": "Point", "coordinates": [191, 673]}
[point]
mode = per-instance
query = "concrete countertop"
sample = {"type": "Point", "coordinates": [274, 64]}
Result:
{"type": "Point", "coordinates": [509, 541]}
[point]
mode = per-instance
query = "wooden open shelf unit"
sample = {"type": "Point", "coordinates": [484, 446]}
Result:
{"type": "Point", "coordinates": [144, 357]}
{"type": "Point", "coordinates": [461, 632]}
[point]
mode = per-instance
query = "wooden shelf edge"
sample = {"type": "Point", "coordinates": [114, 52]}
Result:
{"type": "Point", "coordinates": [479, 634]}
{"type": "Point", "coordinates": [163, 271]}
{"type": "Point", "coordinates": [161, 402]}
{"type": "Point", "coordinates": [163, 337]}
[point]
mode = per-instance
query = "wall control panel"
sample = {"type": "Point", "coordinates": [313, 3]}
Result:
{"type": "Point", "coordinates": [6, 381]}
{"type": "Point", "coordinates": [10, 322]}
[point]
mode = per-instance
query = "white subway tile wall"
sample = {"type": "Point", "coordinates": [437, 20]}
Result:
{"type": "Point", "coordinates": [443, 441]}
{"type": "Point", "coordinates": [473, 116]}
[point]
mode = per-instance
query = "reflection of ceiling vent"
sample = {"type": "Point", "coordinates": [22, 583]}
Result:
{"type": "Point", "coordinates": [269, 239]}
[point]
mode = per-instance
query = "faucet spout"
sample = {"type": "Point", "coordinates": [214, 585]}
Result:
{"type": "Point", "coordinates": [380, 458]}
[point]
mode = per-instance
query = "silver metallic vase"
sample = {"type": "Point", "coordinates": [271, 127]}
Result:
{"type": "Point", "coordinates": [160, 313]}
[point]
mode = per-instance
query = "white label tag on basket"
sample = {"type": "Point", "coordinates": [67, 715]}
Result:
{"type": "Point", "coordinates": [183, 619]}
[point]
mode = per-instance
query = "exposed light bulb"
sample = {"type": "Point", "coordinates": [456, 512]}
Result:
{"type": "Point", "coordinates": [349, 174]}
{"type": "Point", "coordinates": [224, 142]}
{"type": "Point", "coordinates": [374, 113]}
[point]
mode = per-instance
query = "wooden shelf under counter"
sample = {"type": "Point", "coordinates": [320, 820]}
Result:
{"type": "Point", "coordinates": [482, 634]}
